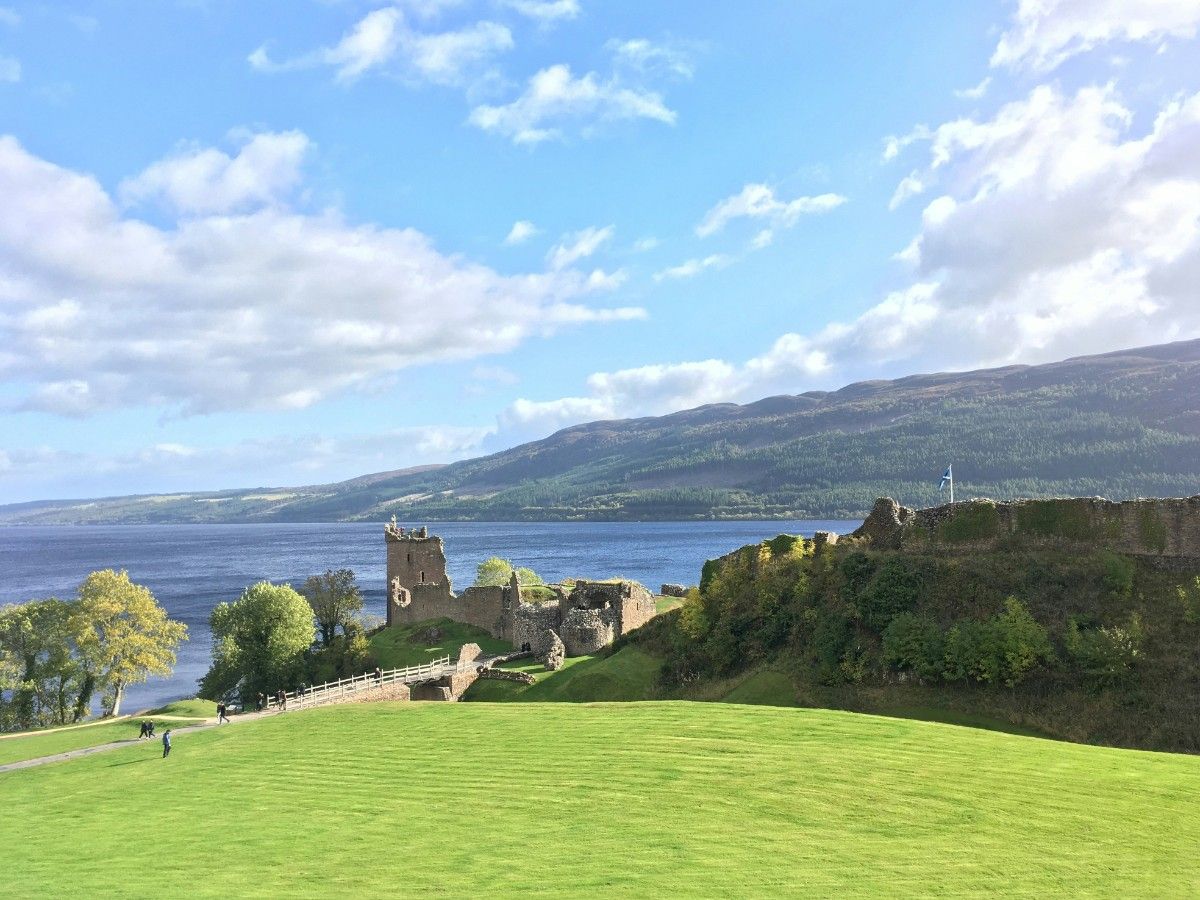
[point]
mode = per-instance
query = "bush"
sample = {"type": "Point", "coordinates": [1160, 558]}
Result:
{"type": "Point", "coordinates": [915, 643]}
{"type": "Point", "coordinates": [1105, 654]}
{"type": "Point", "coordinates": [1118, 574]}
{"type": "Point", "coordinates": [894, 590]}
{"type": "Point", "coordinates": [1002, 649]}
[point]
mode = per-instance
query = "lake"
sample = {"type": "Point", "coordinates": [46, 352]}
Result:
{"type": "Point", "coordinates": [191, 568]}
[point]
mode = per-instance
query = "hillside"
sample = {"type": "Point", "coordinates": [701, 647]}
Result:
{"type": "Point", "coordinates": [1041, 615]}
{"type": "Point", "coordinates": [1120, 425]}
{"type": "Point", "coordinates": [568, 800]}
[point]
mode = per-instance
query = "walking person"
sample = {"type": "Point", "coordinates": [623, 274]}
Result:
{"type": "Point", "coordinates": [378, 675]}
{"type": "Point", "coordinates": [262, 701]}
{"type": "Point", "coordinates": [145, 732]}
{"type": "Point", "coordinates": [221, 717]}
{"type": "Point", "coordinates": [166, 743]}
{"type": "Point", "coordinates": [281, 696]}
{"type": "Point", "coordinates": [150, 729]}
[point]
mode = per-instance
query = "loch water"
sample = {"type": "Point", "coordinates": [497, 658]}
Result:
{"type": "Point", "coordinates": [191, 568]}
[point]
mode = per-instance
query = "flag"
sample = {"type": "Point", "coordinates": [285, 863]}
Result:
{"type": "Point", "coordinates": [947, 478]}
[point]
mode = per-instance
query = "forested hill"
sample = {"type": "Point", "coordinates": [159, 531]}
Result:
{"type": "Point", "coordinates": [1119, 425]}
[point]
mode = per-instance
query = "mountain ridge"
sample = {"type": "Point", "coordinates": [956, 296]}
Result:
{"type": "Point", "coordinates": [1124, 423]}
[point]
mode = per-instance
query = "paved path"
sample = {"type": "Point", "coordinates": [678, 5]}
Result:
{"type": "Point", "coordinates": [116, 745]}
{"type": "Point", "coordinates": [211, 723]}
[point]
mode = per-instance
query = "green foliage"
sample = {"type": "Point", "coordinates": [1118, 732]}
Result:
{"type": "Point", "coordinates": [1106, 654]}
{"type": "Point", "coordinates": [497, 572]}
{"type": "Point", "coordinates": [536, 593]}
{"type": "Point", "coordinates": [978, 521]}
{"type": "Point", "coordinates": [124, 635]}
{"type": "Point", "coordinates": [335, 600]}
{"type": "Point", "coordinates": [1119, 573]}
{"type": "Point", "coordinates": [259, 642]}
{"type": "Point", "coordinates": [693, 620]}
{"type": "Point", "coordinates": [782, 544]}
{"type": "Point", "coordinates": [894, 589]}
{"type": "Point", "coordinates": [707, 572]}
{"type": "Point", "coordinates": [915, 643]}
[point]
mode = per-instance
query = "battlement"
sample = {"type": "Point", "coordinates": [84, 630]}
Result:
{"type": "Point", "coordinates": [394, 532]}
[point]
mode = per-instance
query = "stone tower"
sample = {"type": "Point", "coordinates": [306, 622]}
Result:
{"type": "Point", "coordinates": [416, 571]}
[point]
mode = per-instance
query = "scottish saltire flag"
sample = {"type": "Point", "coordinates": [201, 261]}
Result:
{"type": "Point", "coordinates": [947, 478]}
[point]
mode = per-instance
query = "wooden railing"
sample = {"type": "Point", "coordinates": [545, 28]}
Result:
{"type": "Point", "coordinates": [334, 690]}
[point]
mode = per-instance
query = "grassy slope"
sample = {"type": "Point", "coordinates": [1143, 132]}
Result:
{"type": "Point", "coordinates": [638, 799]}
{"type": "Point", "coordinates": [407, 645]}
{"type": "Point", "coordinates": [48, 743]}
{"type": "Point", "coordinates": [628, 674]}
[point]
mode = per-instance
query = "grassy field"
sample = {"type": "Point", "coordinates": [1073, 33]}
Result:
{"type": "Point", "coordinates": [628, 674]}
{"type": "Point", "coordinates": [47, 743]}
{"type": "Point", "coordinates": [641, 799]}
{"type": "Point", "coordinates": [409, 645]}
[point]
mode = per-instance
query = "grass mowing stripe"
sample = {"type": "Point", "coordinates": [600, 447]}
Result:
{"type": "Point", "coordinates": [631, 799]}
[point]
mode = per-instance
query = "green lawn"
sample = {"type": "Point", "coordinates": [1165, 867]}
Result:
{"type": "Point", "coordinates": [628, 674]}
{"type": "Point", "coordinates": [408, 645]}
{"type": "Point", "coordinates": [765, 688]}
{"type": "Point", "coordinates": [46, 743]}
{"type": "Point", "coordinates": [641, 799]}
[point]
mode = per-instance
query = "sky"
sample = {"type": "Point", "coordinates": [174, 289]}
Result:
{"type": "Point", "coordinates": [294, 241]}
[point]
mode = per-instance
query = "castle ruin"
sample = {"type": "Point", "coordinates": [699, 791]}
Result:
{"type": "Point", "coordinates": [586, 617]}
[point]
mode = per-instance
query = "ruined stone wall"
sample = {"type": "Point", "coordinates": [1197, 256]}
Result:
{"type": "Point", "coordinates": [1166, 531]}
{"type": "Point", "coordinates": [586, 631]}
{"type": "Point", "coordinates": [532, 624]}
{"type": "Point", "coordinates": [483, 607]}
{"type": "Point", "coordinates": [636, 609]}
{"type": "Point", "coordinates": [427, 601]}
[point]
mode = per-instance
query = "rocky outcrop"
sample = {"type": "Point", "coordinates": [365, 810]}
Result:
{"type": "Point", "coordinates": [673, 590]}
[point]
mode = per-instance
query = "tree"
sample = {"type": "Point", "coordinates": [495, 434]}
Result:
{"type": "Point", "coordinates": [335, 600]}
{"type": "Point", "coordinates": [259, 641]}
{"type": "Point", "coordinates": [124, 636]}
{"type": "Point", "coordinates": [497, 572]}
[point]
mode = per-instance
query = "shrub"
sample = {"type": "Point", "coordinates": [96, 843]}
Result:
{"type": "Point", "coordinates": [894, 590]}
{"type": "Point", "coordinates": [1105, 654]}
{"type": "Point", "coordinates": [915, 643]}
{"type": "Point", "coordinates": [1118, 574]}
{"type": "Point", "coordinates": [1022, 642]}
{"type": "Point", "coordinates": [830, 640]}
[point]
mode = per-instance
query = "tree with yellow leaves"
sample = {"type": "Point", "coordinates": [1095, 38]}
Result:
{"type": "Point", "coordinates": [124, 635]}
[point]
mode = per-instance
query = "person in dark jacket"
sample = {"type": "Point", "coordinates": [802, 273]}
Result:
{"type": "Point", "coordinates": [166, 743]}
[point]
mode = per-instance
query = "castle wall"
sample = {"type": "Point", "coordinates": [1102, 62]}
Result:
{"type": "Point", "coordinates": [1166, 531]}
{"type": "Point", "coordinates": [532, 624]}
{"type": "Point", "coordinates": [483, 607]}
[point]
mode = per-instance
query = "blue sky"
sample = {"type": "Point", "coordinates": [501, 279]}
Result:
{"type": "Point", "coordinates": [287, 242]}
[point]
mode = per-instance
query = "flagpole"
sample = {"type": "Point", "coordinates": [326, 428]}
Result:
{"type": "Point", "coordinates": [950, 468]}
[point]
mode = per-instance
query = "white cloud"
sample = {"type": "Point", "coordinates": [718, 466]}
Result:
{"type": "Point", "coordinates": [757, 201]}
{"type": "Point", "coordinates": [545, 12]}
{"type": "Point", "coordinates": [10, 70]}
{"type": "Point", "coordinates": [763, 239]}
{"type": "Point", "coordinates": [383, 37]}
{"type": "Point", "coordinates": [555, 97]}
{"type": "Point", "coordinates": [893, 146]}
{"type": "Point", "coordinates": [1064, 234]}
{"type": "Point", "coordinates": [693, 267]}
{"type": "Point", "coordinates": [265, 309]}
{"type": "Point", "coordinates": [1047, 32]}
{"type": "Point", "coordinates": [645, 56]}
{"type": "Point", "coordinates": [521, 231]}
{"type": "Point", "coordinates": [644, 245]}
{"type": "Point", "coordinates": [910, 186]}
{"type": "Point", "coordinates": [577, 246]}
{"type": "Point", "coordinates": [265, 170]}
{"type": "Point", "coordinates": [976, 92]}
